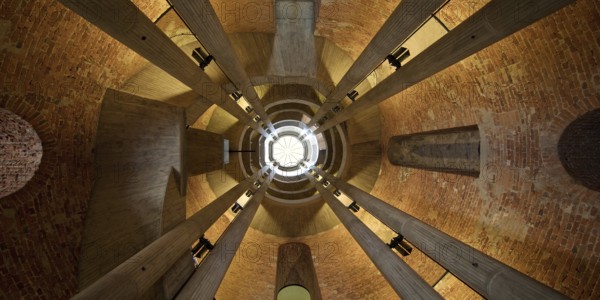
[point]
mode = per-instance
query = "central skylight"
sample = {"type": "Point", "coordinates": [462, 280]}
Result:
{"type": "Point", "coordinates": [291, 150]}
{"type": "Point", "coordinates": [288, 151]}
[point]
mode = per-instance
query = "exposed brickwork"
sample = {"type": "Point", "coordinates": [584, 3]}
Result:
{"type": "Point", "coordinates": [345, 23]}
{"type": "Point", "coordinates": [20, 152]}
{"type": "Point", "coordinates": [54, 69]}
{"type": "Point", "coordinates": [453, 289]}
{"type": "Point", "coordinates": [524, 210]}
{"type": "Point", "coordinates": [343, 269]}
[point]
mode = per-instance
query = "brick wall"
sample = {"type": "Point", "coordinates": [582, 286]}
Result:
{"type": "Point", "coordinates": [524, 210]}
{"type": "Point", "coordinates": [20, 152]}
{"type": "Point", "coordinates": [54, 69]}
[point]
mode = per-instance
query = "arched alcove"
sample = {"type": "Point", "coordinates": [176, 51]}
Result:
{"type": "Point", "coordinates": [578, 149]}
{"type": "Point", "coordinates": [20, 152]}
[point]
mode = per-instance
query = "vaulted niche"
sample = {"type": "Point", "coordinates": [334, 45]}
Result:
{"type": "Point", "coordinates": [579, 149]}
{"type": "Point", "coordinates": [455, 150]}
{"type": "Point", "coordinates": [20, 152]}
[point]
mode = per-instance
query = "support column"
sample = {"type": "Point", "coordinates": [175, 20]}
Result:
{"type": "Point", "coordinates": [404, 280]}
{"type": "Point", "coordinates": [200, 16]}
{"type": "Point", "coordinates": [405, 19]}
{"type": "Point", "coordinates": [484, 274]}
{"type": "Point", "coordinates": [295, 267]}
{"type": "Point", "coordinates": [492, 23]}
{"type": "Point", "coordinates": [207, 279]}
{"type": "Point", "coordinates": [132, 278]}
{"type": "Point", "coordinates": [206, 151]}
{"type": "Point", "coordinates": [122, 20]}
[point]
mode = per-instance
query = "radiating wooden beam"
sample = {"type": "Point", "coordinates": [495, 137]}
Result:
{"type": "Point", "coordinates": [405, 19]}
{"type": "Point", "coordinates": [487, 276]}
{"type": "Point", "coordinates": [123, 21]}
{"type": "Point", "coordinates": [206, 280]}
{"type": "Point", "coordinates": [202, 19]}
{"type": "Point", "coordinates": [492, 23]}
{"type": "Point", "coordinates": [403, 279]}
{"type": "Point", "coordinates": [135, 276]}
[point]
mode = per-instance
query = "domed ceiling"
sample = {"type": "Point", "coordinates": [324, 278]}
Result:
{"type": "Point", "coordinates": [521, 93]}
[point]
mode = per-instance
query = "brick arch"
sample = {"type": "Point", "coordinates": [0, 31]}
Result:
{"type": "Point", "coordinates": [45, 171]}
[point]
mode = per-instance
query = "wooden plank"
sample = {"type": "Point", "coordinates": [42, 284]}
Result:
{"type": "Point", "coordinates": [123, 21]}
{"type": "Point", "coordinates": [405, 19]}
{"type": "Point", "coordinates": [202, 19]}
{"type": "Point", "coordinates": [492, 23]}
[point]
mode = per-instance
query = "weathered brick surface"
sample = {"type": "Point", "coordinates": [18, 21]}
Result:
{"type": "Point", "coordinates": [54, 69]}
{"type": "Point", "coordinates": [20, 152]}
{"type": "Point", "coordinates": [524, 210]}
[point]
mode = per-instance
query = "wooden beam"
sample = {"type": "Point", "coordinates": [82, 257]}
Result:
{"type": "Point", "coordinates": [135, 276]}
{"type": "Point", "coordinates": [487, 276]}
{"type": "Point", "coordinates": [403, 279]}
{"type": "Point", "coordinates": [123, 21]}
{"type": "Point", "coordinates": [202, 19]}
{"type": "Point", "coordinates": [492, 23]}
{"type": "Point", "coordinates": [206, 280]}
{"type": "Point", "coordinates": [405, 19]}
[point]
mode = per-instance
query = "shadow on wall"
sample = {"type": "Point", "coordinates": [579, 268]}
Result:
{"type": "Point", "coordinates": [137, 147]}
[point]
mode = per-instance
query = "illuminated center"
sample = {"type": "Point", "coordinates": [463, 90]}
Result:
{"type": "Point", "coordinates": [288, 151]}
